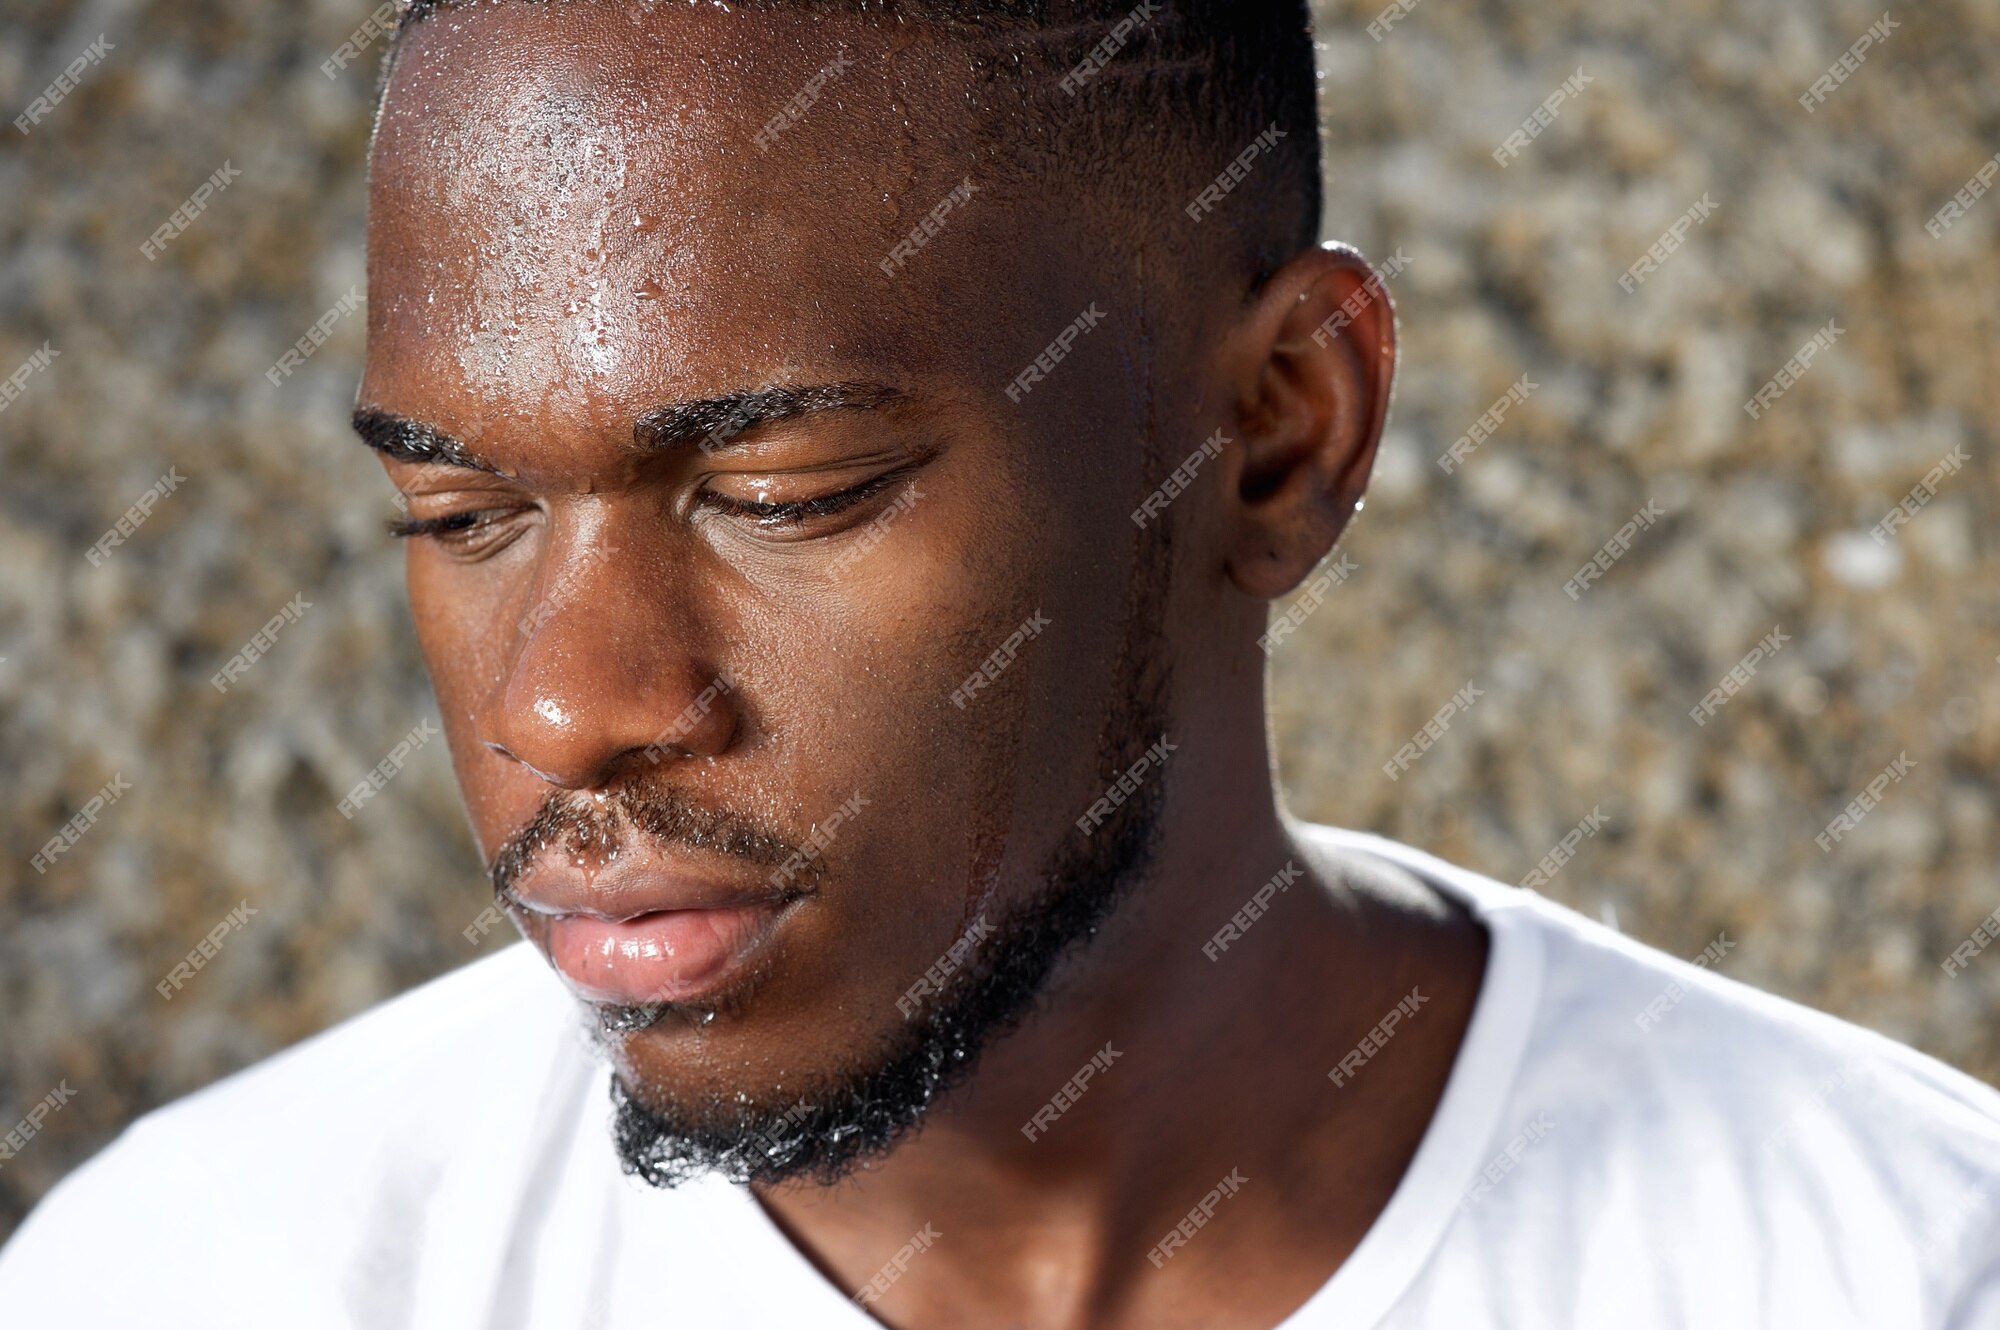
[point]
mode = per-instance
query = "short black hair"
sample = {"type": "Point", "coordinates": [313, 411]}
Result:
{"type": "Point", "coordinates": [1175, 93]}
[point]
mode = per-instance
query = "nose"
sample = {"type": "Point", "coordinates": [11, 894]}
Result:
{"type": "Point", "coordinates": [606, 672]}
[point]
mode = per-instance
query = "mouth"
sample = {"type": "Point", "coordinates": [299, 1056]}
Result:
{"type": "Point", "coordinates": [668, 956]}
{"type": "Point", "coordinates": [644, 932]}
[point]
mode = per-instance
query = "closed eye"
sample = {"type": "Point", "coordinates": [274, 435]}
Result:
{"type": "Point", "coordinates": [468, 536]}
{"type": "Point", "coordinates": [799, 511]}
{"type": "Point", "coordinates": [407, 527]}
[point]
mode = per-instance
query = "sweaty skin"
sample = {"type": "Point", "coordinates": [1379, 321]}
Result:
{"type": "Point", "coordinates": [572, 224]}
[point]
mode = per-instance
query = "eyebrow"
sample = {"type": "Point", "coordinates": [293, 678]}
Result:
{"type": "Point", "coordinates": [409, 440]}
{"type": "Point", "coordinates": [712, 423]}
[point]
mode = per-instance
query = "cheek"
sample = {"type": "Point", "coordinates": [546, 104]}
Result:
{"type": "Point", "coordinates": [454, 619]}
{"type": "Point", "coordinates": [454, 615]}
{"type": "Point", "coordinates": [960, 678]}
{"type": "Point", "coordinates": [855, 681]}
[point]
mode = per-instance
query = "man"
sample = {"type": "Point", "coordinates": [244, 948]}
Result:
{"type": "Point", "coordinates": [850, 456]}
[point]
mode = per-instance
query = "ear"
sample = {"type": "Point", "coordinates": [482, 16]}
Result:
{"type": "Point", "coordinates": [1312, 361]}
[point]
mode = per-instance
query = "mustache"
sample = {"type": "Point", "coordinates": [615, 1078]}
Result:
{"type": "Point", "coordinates": [588, 824]}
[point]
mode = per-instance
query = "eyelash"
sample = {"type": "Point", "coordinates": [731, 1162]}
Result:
{"type": "Point", "coordinates": [802, 510]}
{"type": "Point", "coordinates": [768, 514]}
{"type": "Point", "coordinates": [408, 527]}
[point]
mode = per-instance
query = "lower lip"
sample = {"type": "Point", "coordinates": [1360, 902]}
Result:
{"type": "Point", "coordinates": [671, 956]}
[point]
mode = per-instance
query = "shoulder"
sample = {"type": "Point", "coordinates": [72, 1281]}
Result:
{"type": "Point", "coordinates": [1607, 1000]}
{"type": "Point", "coordinates": [1824, 1151]}
{"type": "Point", "coordinates": [1709, 1120]}
{"type": "Point", "coordinates": [1783, 1074]}
{"type": "Point", "coordinates": [272, 1166]}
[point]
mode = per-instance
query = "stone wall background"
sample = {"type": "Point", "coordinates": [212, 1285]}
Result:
{"type": "Point", "coordinates": [1894, 649]}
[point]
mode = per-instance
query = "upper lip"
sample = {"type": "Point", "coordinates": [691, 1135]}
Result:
{"type": "Point", "coordinates": [642, 880]}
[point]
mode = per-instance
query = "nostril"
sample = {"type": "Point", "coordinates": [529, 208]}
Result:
{"type": "Point", "coordinates": [503, 750]}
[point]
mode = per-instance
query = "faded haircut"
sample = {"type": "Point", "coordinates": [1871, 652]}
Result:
{"type": "Point", "coordinates": [1148, 102]}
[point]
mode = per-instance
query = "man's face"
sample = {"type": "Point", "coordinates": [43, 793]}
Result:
{"type": "Point", "coordinates": [722, 678]}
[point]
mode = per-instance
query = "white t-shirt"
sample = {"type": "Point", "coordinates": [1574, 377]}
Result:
{"type": "Point", "coordinates": [1627, 1142]}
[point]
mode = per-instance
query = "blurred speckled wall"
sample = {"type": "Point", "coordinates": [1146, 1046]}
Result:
{"type": "Point", "coordinates": [1626, 401]}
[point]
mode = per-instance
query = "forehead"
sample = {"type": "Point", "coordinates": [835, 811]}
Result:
{"type": "Point", "coordinates": [579, 209]}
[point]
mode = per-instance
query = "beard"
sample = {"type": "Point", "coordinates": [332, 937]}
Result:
{"type": "Point", "coordinates": [823, 1129]}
